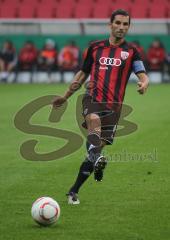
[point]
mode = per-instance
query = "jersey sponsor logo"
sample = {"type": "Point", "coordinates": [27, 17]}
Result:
{"type": "Point", "coordinates": [124, 55]}
{"type": "Point", "coordinates": [110, 61]}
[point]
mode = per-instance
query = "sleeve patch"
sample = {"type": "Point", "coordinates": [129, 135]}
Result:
{"type": "Point", "coordinates": [138, 66]}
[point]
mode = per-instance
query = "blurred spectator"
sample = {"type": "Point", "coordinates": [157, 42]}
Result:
{"type": "Point", "coordinates": [69, 57]}
{"type": "Point", "coordinates": [47, 60]}
{"type": "Point", "coordinates": [156, 56]}
{"type": "Point", "coordinates": [8, 60]}
{"type": "Point", "coordinates": [168, 64]}
{"type": "Point", "coordinates": [28, 57]}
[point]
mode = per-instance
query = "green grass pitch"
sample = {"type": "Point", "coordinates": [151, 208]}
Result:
{"type": "Point", "coordinates": [132, 202]}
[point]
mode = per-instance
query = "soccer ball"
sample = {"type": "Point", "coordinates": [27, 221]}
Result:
{"type": "Point", "coordinates": [45, 211]}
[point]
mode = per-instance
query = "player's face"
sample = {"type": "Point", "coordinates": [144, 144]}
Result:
{"type": "Point", "coordinates": [119, 26]}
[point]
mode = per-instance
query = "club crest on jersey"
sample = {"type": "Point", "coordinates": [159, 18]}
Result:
{"type": "Point", "coordinates": [124, 55]}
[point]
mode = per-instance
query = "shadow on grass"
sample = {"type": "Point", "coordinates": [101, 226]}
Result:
{"type": "Point", "coordinates": [41, 227]}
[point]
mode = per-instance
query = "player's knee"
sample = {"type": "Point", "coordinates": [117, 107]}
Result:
{"type": "Point", "coordinates": [93, 122]}
{"type": "Point", "coordinates": [92, 117]}
{"type": "Point", "coordinates": [94, 129]}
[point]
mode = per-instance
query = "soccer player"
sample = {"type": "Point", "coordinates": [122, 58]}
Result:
{"type": "Point", "coordinates": [109, 64]}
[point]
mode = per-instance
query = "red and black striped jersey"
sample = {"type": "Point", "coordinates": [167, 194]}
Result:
{"type": "Point", "coordinates": [110, 67]}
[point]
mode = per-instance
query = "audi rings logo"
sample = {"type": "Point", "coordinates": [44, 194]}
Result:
{"type": "Point", "coordinates": [110, 61]}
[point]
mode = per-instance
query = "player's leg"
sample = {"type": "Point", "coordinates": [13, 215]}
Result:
{"type": "Point", "coordinates": [99, 165]}
{"type": "Point", "coordinates": [109, 120]}
{"type": "Point", "coordinates": [93, 123]}
{"type": "Point", "coordinates": [94, 147]}
{"type": "Point", "coordinates": [87, 167]}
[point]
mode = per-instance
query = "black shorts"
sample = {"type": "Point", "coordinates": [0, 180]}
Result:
{"type": "Point", "coordinates": [109, 118]}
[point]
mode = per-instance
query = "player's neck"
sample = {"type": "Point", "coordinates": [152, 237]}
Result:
{"type": "Point", "coordinates": [115, 41]}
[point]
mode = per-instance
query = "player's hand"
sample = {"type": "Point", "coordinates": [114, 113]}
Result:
{"type": "Point", "coordinates": [142, 87]}
{"type": "Point", "coordinates": [58, 101]}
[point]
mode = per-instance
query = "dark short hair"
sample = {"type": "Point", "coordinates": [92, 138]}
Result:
{"type": "Point", "coordinates": [119, 12]}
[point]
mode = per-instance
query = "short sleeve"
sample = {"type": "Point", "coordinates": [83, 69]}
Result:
{"type": "Point", "coordinates": [88, 61]}
{"type": "Point", "coordinates": [137, 65]}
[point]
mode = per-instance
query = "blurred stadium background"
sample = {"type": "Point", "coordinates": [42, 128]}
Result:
{"type": "Point", "coordinates": [65, 27]}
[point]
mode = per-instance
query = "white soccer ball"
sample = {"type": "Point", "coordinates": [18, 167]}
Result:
{"type": "Point", "coordinates": [45, 211]}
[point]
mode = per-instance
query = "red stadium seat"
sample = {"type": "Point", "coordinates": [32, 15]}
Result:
{"type": "Point", "coordinates": [139, 12]}
{"type": "Point", "coordinates": [67, 3]}
{"type": "Point", "coordinates": [26, 12]}
{"type": "Point", "coordinates": [29, 3]}
{"type": "Point", "coordinates": [64, 12]}
{"type": "Point", "coordinates": [158, 11]}
{"type": "Point", "coordinates": [160, 2]}
{"type": "Point", "coordinates": [86, 2]}
{"type": "Point", "coordinates": [141, 3]}
{"type": "Point", "coordinates": [101, 11]}
{"type": "Point", "coordinates": [108, 2]}
{"type": "Point", "coordinates": [46, 12]}
{"type": "Point", "coordinates": [81, 11]}
{"type": "Point", "coordinates": [83, 8]}
{"type": "Point", "coordinates": [120, 5]}
{"type": "Point", "coordinates": [8, 12]}
{"type": "Point", "coordinates": [8, 1]}
{"type": "Point", "coordinates": [52, 3]}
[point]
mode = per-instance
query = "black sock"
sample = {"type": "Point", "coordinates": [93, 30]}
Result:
{"type": "Point", "coordinates": [94, 153]}
{"type": "Point", "coordinates": [87, 145]}
{"type": "Point", "coordinates": [86, 167]}
{"type": "Point", "coordinates": [85, 171]}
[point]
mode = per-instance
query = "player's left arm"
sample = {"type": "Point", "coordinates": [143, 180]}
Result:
{"type": "Point", "coordinates": [140, 71]}
{"type": "Point", "coordinates": [143, 82]}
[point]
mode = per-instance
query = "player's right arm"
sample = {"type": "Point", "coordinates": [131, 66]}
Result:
{"type": "Point", "coordinates": [78, 80]}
